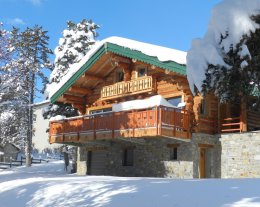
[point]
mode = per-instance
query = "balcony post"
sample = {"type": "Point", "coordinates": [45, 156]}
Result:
{"type": "Point", "coordinates": [133, 123]}
{"type": "Point", "coordinates": [160, 120]}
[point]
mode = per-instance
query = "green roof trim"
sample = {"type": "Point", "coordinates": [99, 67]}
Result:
{"type": "Point", "coordinates": [78, 74]}
{"type": "Point", "coordinates": [123, 51]}
{"type": "Point", "coordinates": [134, 54]}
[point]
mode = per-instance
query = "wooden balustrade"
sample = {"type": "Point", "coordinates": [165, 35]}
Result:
{"type": "Point", "coordinates": [232, 124]}
{"type": "Point", "coordinates": [139, 85]}
{"type": "Point", "coordinates": [159, 121]}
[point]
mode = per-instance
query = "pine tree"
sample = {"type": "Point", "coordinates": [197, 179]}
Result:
{"type": "Point", "coordinates": [241, 77]}
{"type": "Point", "coordinates": [29, 62]}
{"type": "Point", "coordinates": [77, 40]}
{"type": "Point", "coordinates": [10, 92]}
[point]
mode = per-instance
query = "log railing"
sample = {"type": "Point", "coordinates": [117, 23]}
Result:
{"type": "Point", "coordinates": [233, 124]}
{"type": "Point", "coordinates": [158, 121]}
{"type": "Point", "coordinates": [139, 85]}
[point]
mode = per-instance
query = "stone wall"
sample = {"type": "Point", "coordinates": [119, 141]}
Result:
{"type": "Point", "coordinates": [213, 154]}
{"type": "Point", "coordinates": [240, 156]}
{"type": "Point", "coordinates": [152, 157]}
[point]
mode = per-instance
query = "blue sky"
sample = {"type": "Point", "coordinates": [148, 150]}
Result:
{"type": "Point", "coordinates": [169, 23]}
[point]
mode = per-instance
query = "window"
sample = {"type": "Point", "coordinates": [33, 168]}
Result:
{"type": "Point", "coordinates": [120, 76]}
{"type": "Point", "coordinates": [141, 72]}
{"type": "Point", "coordinates": [175, 100]}
{"type": "Point", "coordinates": [128, 157]}
{"type": "Point", "coordinates": [100, 111]}
{"type": "Point", "coordinates": [203, 107]}
{"type": "Point", "coordinates": [174, 153]}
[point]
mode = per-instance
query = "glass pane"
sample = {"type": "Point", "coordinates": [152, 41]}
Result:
{"type": "Point", "coordinates": [175, 100]}
{"type": "Point", "coordinates": [141, 72]}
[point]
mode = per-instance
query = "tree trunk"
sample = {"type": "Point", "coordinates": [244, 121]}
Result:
{"type": "Point", "coordinates": [28, 146]}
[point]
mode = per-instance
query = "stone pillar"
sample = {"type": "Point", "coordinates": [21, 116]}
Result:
{"type": "Point", "coordinates": [82, 161]}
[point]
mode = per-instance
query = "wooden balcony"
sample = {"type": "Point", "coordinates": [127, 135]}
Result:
{"type": "Point", "coordinates": [120, 89]}
{"type": "Point", "coordinates": [155, 122]}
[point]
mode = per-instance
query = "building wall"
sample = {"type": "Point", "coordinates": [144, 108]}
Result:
{"type": "Point", "coordinates": [240, 156]}
{"type": "Point", "coordinates": [10, 153]}
{"type": "Point", "coordinates": [152, 157]}
{"type": "Point", "coordinates": [40, 137]}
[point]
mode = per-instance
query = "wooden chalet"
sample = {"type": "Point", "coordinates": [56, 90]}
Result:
{"type": "Point", "coordinates": [115, 74]}
{"type": "Point", "coordinates": [121, 71]}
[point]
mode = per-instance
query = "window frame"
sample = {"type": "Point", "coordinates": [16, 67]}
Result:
{"type": "Point", "coordinates": [128, 157]}
{"type": "Point", "coordinates": [138, 71]}
{"type": "Point", "coordinates": [173, 152]}
{"type": "Point", "coordinates": [179, 96]}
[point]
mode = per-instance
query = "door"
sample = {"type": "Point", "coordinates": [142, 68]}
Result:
{"type": "Point", "coordinates": [89, 159]}
{"type": "Point", "coordinates": [202, 162]}
{"type": "Point", "coordinates": [96, 162]}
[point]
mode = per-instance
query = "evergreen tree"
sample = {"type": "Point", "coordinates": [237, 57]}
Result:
{"type": "Point", "coordinates": [240, 77]}
{"type": "Point", "coordinates": [29, 61]}
{"type": "Point", "coordinates": [10, 94]}
{"type": "Point", "coordinates": [77, 40]}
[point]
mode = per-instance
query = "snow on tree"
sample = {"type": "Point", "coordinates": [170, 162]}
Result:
{"type": "Point", "coordinates": [77, 40]}
{"type": "Point", "coordinates": [27, 66]}
{"type": "Point", "coordinates": [226, 59]}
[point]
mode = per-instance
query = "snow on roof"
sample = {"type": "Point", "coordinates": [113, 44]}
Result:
{"type": "Point", "coordinates": [153, 101]}
{"type": "Point", "coordinates": [162, 53]}
{"type": "Point", "coordinates": [42, 103]}
{"type": "Point", "coordinates": [232, 16]}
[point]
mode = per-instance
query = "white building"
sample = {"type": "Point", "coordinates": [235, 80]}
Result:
{"type": "Point", "coordinates": [40, 139]}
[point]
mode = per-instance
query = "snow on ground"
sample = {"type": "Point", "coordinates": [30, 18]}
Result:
{"type": "Point", "coordinates": [48, 185]}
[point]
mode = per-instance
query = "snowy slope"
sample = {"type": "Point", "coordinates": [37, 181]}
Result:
{"type": "Point", "coordinates": [232, 16]}
{"type": "Point", "coordinates": [162, 53]}
{"type": "Point", "coordinates": [48, 185]}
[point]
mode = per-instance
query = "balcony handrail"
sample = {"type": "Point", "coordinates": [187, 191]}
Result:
{"type": "Point", "coordinates": [159, 117]}
{"type": "Point", "coordinates": [110, 112]}
{"type": "Point", "coordinates": [126, 87]}
{"type": "Point", "coordinates": [234, 124]}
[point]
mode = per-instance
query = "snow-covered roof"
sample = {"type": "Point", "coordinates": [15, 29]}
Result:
{"type": "Point", "coordinates": [153, 101]}
{"type": "Point", "coordinates": [162, 53]}
{"type": "Point", "coordinates": [232, 16]}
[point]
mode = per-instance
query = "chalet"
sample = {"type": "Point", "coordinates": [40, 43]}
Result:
{"type": "Point", "coordinates": [138, 116]}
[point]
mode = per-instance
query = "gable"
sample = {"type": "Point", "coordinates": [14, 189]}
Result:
{"type": "Point", "coordinates": [108, 47]}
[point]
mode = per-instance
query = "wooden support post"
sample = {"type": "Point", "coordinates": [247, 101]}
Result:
{"type": "Point", "coordinates": [133, 123]}
{"type": "Point", "coordinates": [160, 121]}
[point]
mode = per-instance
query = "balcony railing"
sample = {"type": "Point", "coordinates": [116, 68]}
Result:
{"type": "Point", "coordinates": [139, 85]}
{"type": "Point", "coordinates": [155, 122]}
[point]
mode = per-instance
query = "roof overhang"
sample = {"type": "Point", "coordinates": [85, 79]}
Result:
{"type": "Point", "coordinates": [170, 66]}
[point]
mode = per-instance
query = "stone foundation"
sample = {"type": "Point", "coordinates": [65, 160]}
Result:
{"type": "Point", "coordinates": [152, 157]}
{"type": "Point", "coordinates": [240, 156]}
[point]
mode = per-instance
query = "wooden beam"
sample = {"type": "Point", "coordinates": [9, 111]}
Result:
{"type": "Point", "coordinates": [205, 146]}
{"type": "Point", "coordinates": [92, 77]}
{"type": "Point", "coordinates": [120, 59]}
{"type": "Point", "coordinates": [173, 145]}
{"type": "Point", "coordinates": [82, 91]}
{"type": "Point", "coordinates": [73, 99]}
